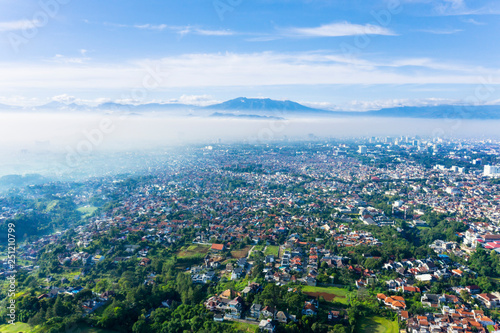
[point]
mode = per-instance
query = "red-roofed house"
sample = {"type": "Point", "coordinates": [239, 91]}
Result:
{"type": "Point", "coordinates": [218, 247]}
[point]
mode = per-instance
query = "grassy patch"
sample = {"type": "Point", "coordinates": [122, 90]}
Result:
{"type": "Point", "coordinates": [193, 251]}
{"type": "Point", "coordinates": [87, 210]}
{"type": "Point", "coordinates": [329, 294]}
{"type": "Point", "coordinates": [241, 253]}
{"type": "Point", "coordinates": [258, 248]}
{"type": "Point", "coordinates": [20, 327]}
{"type": "Point", "coordinates": [272, 249]}
{"type": "Point", "coordinates": [51, 205]}
{"type": "Point", "coordinates": [377, 325]}
{"type": "Point", "coordinates": [244, 327]}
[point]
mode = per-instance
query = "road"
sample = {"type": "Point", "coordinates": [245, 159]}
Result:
{"type": "Point", "coordinates": [250, 252]}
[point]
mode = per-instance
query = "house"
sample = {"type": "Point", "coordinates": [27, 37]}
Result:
{"type": "Point", "coordinates": [268, 312]}
{"type": "Point", "coordinates": [409, 289]}
{"type": "Point", "coordinates": [281, 317]}
{"type": "Point", "coordinates": [361, 283]}
{"type": "Point", "coordinates": [255, 310]}
{"type": "Point", "coordinates": [251, 288]}
{"type": "Point", "coordinates": [310, 281]}
{"type": "Point", "coordinates": [234, 308]}
{"type": "Point", "coordinates": [394, 302]}
{"type": "Point", "coordinates": [432, 300]}
{"type": "Point", "coordinates": [473, 289]}
{"type": "Point", "coordinates": [218, 247]}
{"type": "Point", "coordinates": [333, 315]}
{"type": "Point", "coordinates": [269, 259]}
{"type": "Point", "coordinates": [489, 300]}
{"type": "Point", "coordinates": [310, 308]}
{"type": "Point", "coordinates": [144, 262]}
{"type": "Point", "coordinates": [229, 294]}
{"type": "Point", "coordinates": [237, 273]}
{"type": "Point", "coordinates": [242, 262]}
{"type": "Point", "coordinates": [483, 320]}
{"type": "Point", "coordinates": [424, 277]}
{"type": "Point", "coordinates": [208, 276]}
{"type": "Point", "coordinates": [266, 325]}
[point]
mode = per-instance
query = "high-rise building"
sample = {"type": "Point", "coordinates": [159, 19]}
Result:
{"type": "Point", "coordinates": [492, 170]}
{"type": "Point", "coordinates": [362, 149]}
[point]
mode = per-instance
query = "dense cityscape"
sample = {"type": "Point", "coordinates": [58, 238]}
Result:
{"type": "Point", "coordinates": [309, 236]}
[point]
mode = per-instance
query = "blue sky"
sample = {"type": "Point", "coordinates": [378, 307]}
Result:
{"type": "Point", "coordinates": [337, 54]}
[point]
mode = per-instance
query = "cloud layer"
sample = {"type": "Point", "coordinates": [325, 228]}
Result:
{"type": "Point", "coordinates": [237, 69]}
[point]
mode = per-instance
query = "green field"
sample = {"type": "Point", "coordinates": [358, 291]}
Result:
{"type": "Point", "coordinates": [332, 294]}
{"type": "Point", "coordinates": [258, 248]}
{"type": "Point", "coordinates": [193, 251]}
{"type": "Point", "coordinates": [18, 327]}
{"type": "Point", "coordinates": [25, 328]}
{"type": "Point", "coordinates": [87, 210]}
{"type": "Point", "coordinates": [51, 205]}
{"type": "Point", "coordinates": [377, 325]}
{"type": "Point", "coordinates": [244, 327]}
{"type": "Point", "coordinates": [272, 249]}
{"type": "Point", "coordinates": [241, 253]}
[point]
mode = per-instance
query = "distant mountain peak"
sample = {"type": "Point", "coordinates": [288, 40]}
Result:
{"type": "Point", "coordinates": [261, 104]}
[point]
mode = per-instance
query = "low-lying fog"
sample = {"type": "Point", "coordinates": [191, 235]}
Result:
{"type": "Point", "coordinates": [32, 142]}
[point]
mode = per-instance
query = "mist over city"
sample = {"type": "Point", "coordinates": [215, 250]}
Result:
{"type": "Point", "coordinates": [307, 166]}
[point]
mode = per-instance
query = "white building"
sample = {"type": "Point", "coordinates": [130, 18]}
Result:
{"type": "Point", "coordinates": [362, 149]}
{"type": "Point", "coordinates": [492, 170]}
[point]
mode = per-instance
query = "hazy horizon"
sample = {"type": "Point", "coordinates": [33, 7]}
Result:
{"type": "Point", "coordinates": [46, 142]}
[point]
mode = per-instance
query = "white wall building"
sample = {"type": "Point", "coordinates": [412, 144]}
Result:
{"type": "Point", "coordinates": [492, 170]}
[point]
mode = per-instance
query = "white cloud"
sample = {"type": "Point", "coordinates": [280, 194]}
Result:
{"type": "Point", "coordinates": [458, 7]}
{"type": "Point", "coordinates": [18, 25]}
{"type": "Point", "coordinates": [181, 30]}
{"type": "Point", "coordinates": [64, 98]}
{"type": "Point", "coordinates": [362, 105]}
{"type": "Point", "coordinates": [187, 30]}
{"type": "Point", "coordinates": [200, 100]}
{"type": "Point", "coordinates": [158, 27]}
{"type": "Point", "coordinates": [234, 69]}
{"type": "Point", "coordinates": [441, 31]}
{"type": "Point", "coordinates": [339, 29]}
{"type": "Point", "coordinates": [359, 105]}
{"type": "Point", "coordinates": [473, 21]}
{"type": "Point", "coordinates": [19, 100]}
{"type": "Point", "coordinates": [214, 32]}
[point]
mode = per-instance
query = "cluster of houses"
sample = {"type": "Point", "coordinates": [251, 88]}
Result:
{"type": "Point", "coordinates": [230, 305]}
{"type": "Point", "coordinates": [449, 319]}
{"type": "Point", "coordinates": [394, 302]}
{"type": "Point", "coordinates": [429, 269]}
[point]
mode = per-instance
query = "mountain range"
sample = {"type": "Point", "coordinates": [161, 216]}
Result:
{"type": "Point", "coordinates": [265, 108]}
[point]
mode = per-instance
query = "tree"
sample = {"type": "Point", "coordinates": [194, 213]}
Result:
{"type": "Point", "coordinates": [465, 296]}
{"type": "Point", "coordinates": [140, 326]}
{"type": "Point", "coordinates": [59, 307]}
